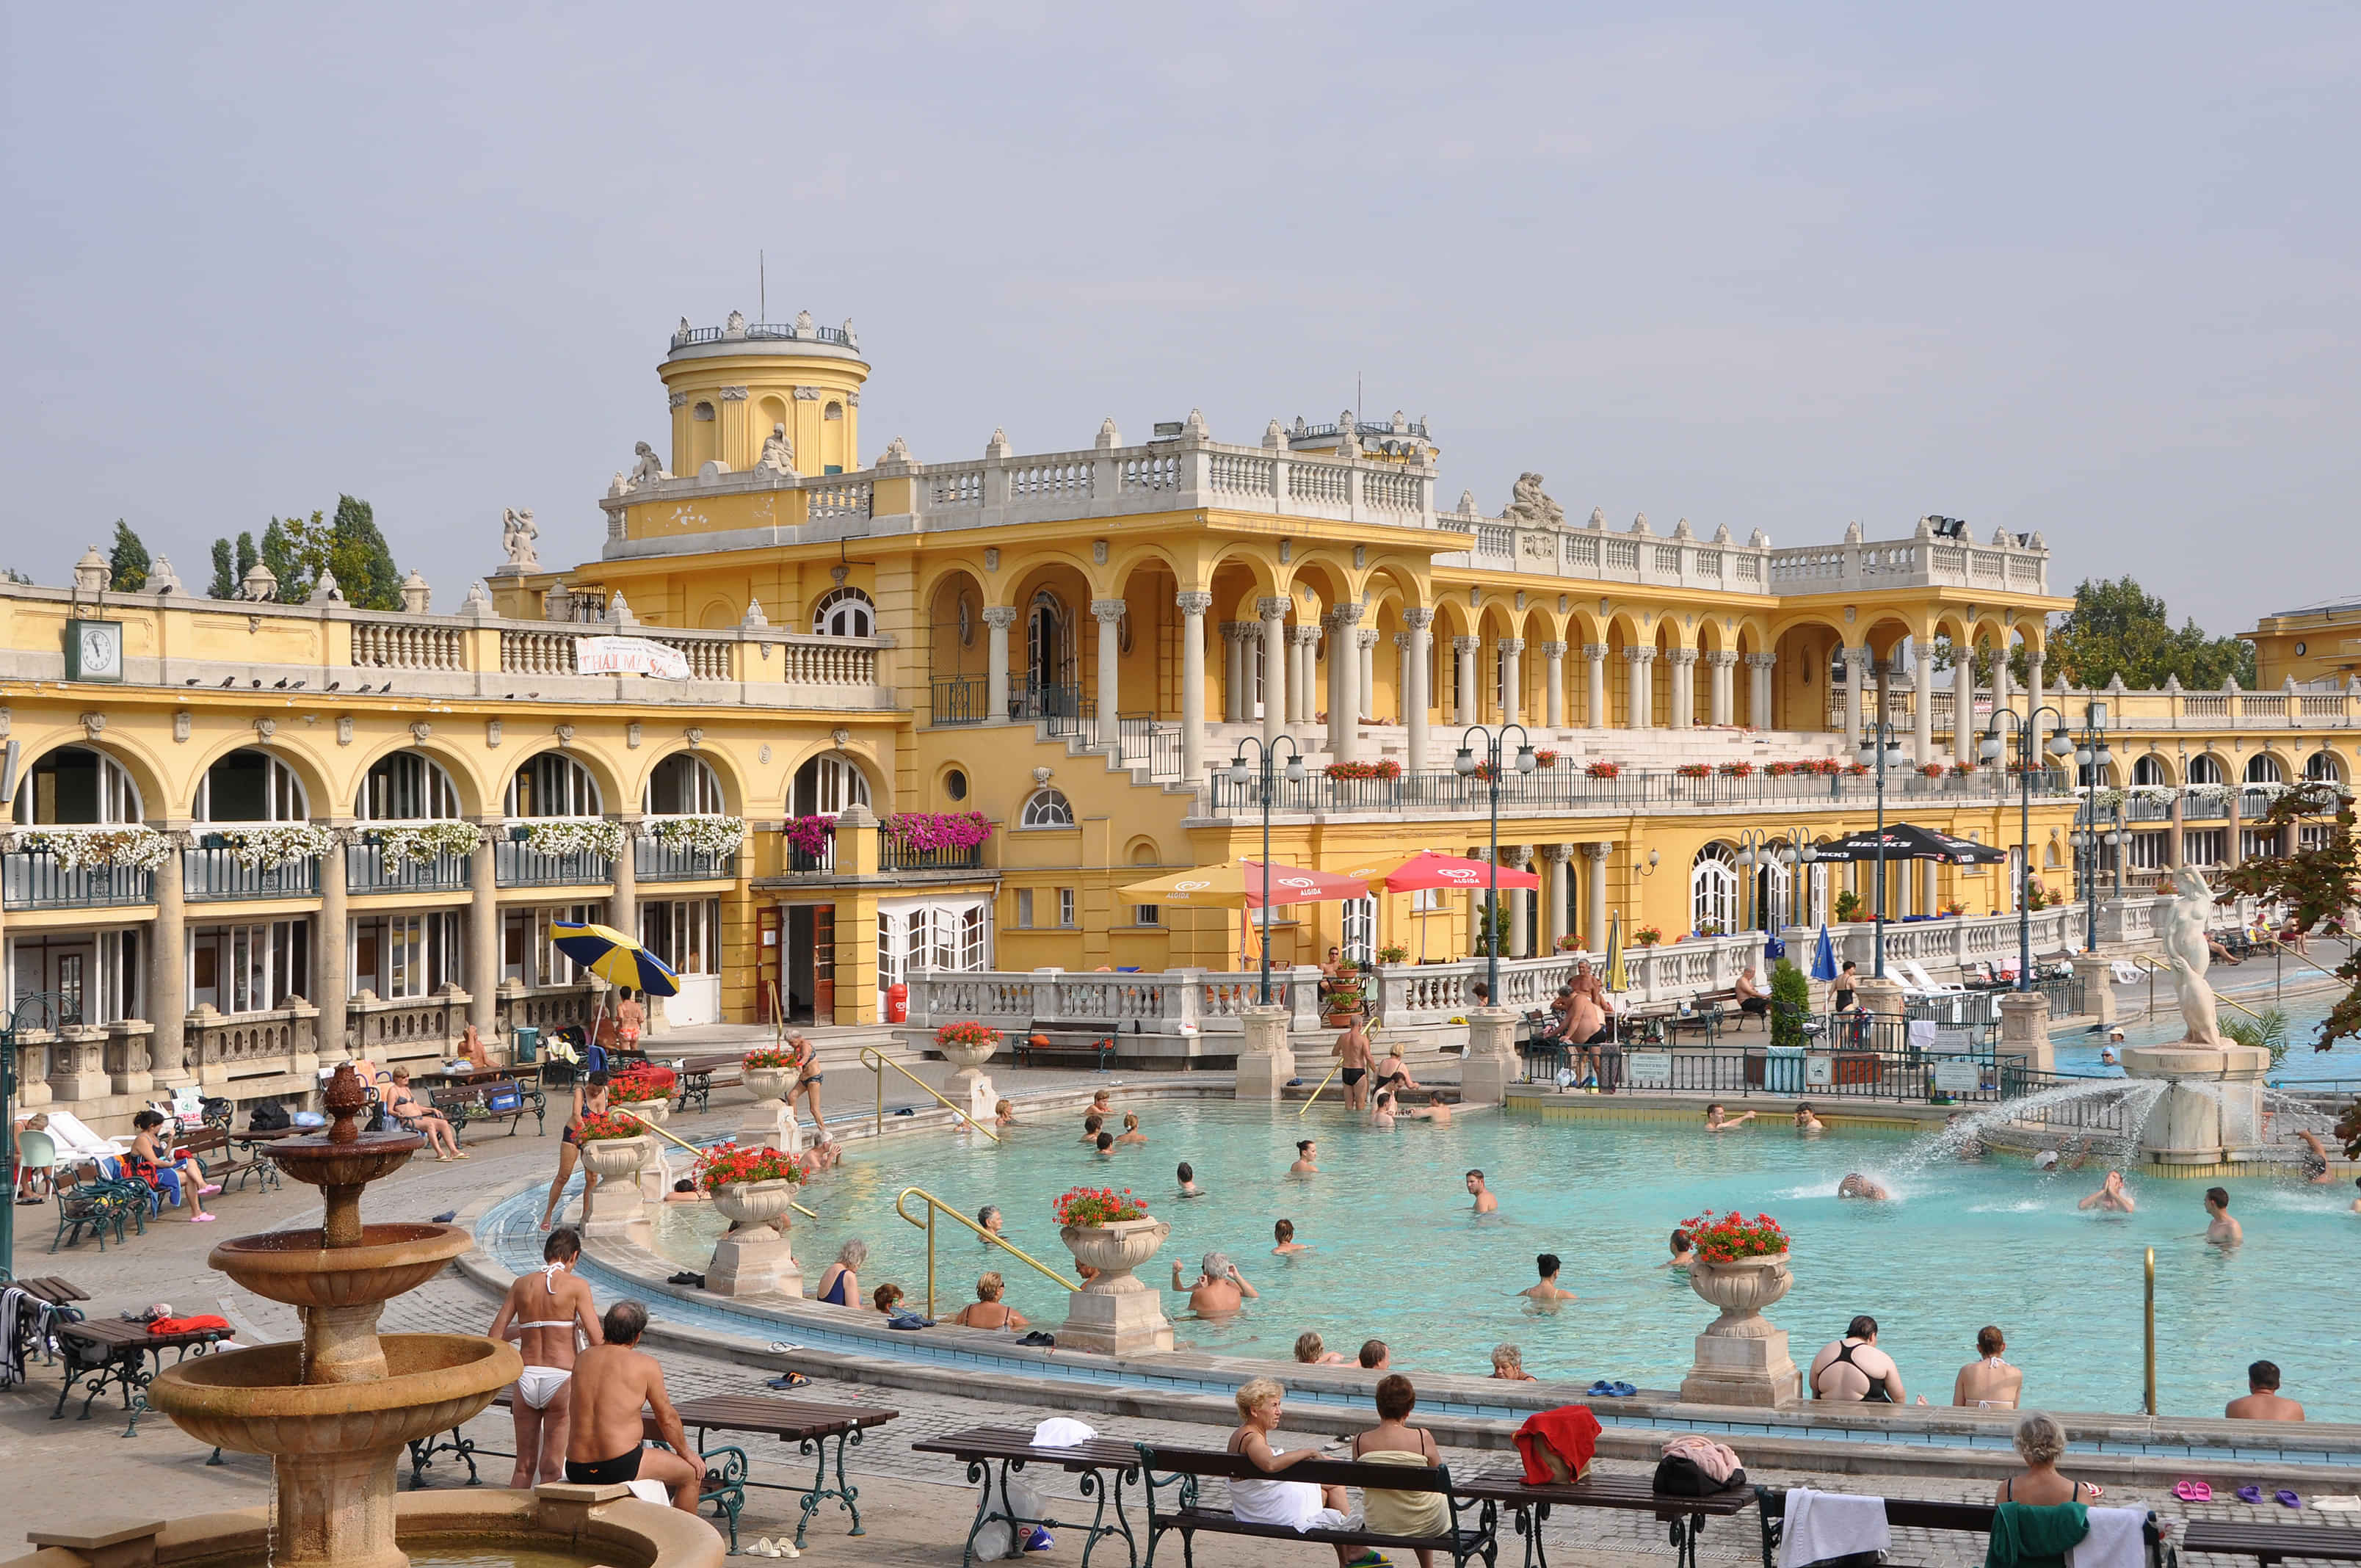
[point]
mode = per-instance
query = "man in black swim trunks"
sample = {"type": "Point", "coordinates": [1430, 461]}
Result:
{"type": "Point", "coordinates": [1351, 1053]}
{"type": "Point", "coordinates": [1853, 1370]}
{"type": "Point", "coordinates": [612, 1384]}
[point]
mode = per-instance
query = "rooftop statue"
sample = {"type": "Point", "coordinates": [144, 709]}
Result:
{"type": "Point", "coordinates": [516, 534]}
{"type": "Point", "coordinates": [778, 451]}
{"type": "Point", "coordinates": [1528, 505]}
{"type": "Point", "coordinates": [650, 467]}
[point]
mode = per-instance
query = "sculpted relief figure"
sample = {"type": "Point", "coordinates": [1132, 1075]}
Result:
{"type": "Point", "coordinates": [516, 534]}
{"type": "Point", "coordinates": [2185, 949]}
{"type": "Point", "coordinates": [1530, 508]}
{"type": "Point", "coordinates": [778, 451]}
{"type": "Point", "coordinates": [649, 467]}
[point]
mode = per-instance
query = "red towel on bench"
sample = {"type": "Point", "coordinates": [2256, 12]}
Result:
{"type": "Point", "coordinates": [188, 1326]}
{"type": "Point", "coordinates": [1570, 1432]}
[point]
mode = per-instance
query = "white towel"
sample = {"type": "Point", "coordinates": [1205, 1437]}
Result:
{"type": "Point", "coordinates": [1061, 1431]}
{"type": "Point", "coordinates": [1821, 1525]}
{"type": "Point", "coordinates": [1922, 1034]}
{"type": "Point", "coordinates": [2114, 1540]}
{"type": "Point", "coordinates": [70, 1132]}
{"type": "Point", "coordinates": [648, 1490]}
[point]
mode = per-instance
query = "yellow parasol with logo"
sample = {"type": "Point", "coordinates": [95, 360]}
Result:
{"type": "Point", "coordinates": [1615, 979]}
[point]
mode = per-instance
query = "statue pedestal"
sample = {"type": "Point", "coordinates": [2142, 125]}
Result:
{"type": "Point", "coordinates": [2098, 977]}
{"type": "Point", "coordinates": [1880, 997]}
{"type": "Point", "coordinates": [616, 1208]}
{"type": "Point", "coordinates": [1742, 1357]}
{"type": "Point", "coordinates": [770, 1124]}
{"type": "Point", "coordinates": [2025, 1029]}
{"type": "Point", "coordinates": [1266, 1062]}
{"type": "Point", "coordinates": [1490, 1065]}
{"type": "Point", "coordinates": [2212, 1105]}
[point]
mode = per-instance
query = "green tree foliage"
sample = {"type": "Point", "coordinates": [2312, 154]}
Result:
{"type": "Point", "coordinates": [225, 583]}
{"type": "Point", "coordinates": [283, 551]}
{"type": "Point", "coordinates": [2318, 886]}
{"type": "Point", "coordinates": [129, 560]}
{"type": "Point", "coordinates": [2118, 628]}
{"type": "Point", "coordinates": [361, 559]}
{"type": "Point", "coordinates": [1791, 999]}
{"type": "Point", "coordinates": [1496, 940]}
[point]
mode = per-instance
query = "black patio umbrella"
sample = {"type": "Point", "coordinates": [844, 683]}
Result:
{"type": "Point", "coordinates": [1905, 842]}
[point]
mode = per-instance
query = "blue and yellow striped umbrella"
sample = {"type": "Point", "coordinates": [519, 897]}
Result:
{"type": "Point", "coordinates": [614, 958]}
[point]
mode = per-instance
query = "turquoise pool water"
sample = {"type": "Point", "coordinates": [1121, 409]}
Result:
{"type": "Point", "coordinates": [2078, 1052]}
{"type": "Point", "coordinates": [1398, 1256]}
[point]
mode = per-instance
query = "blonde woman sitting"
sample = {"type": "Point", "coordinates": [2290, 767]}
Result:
{"type": "Point", "coordinates": [987, 1311]}
{"type": "Point", "coordinates": [1296, 1504]}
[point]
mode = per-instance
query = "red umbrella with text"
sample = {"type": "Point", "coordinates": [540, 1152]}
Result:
{"type": "Point", "coordinates": [1430, 869]}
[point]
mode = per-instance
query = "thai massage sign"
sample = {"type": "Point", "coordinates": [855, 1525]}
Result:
{"type": "Point", "coordinates": [629, 656]}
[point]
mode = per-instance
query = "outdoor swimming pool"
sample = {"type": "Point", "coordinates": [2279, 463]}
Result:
{"type": "Point", "coordinates": [2306, 1005]}
{"type": "Point", "coordinates": [1397, 1255]}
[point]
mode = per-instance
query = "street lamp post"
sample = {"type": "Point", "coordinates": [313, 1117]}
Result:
{"type": "Point", "coordinates": [1880, 749]}
{"type": "Point", "coordinates": [1761, 847]}
{"type": "Point", "coordinates": [2092, 758]}
{"type": "Point", "coordinates": [1240, 771]}
{"type": "Point", "coordinates": [2061, 745]}
{"type": "Point", "coordinates": [1464, 764]}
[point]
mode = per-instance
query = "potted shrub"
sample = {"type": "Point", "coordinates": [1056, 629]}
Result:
{"type": "Point", "coordinates": [1547, 757]}
{"type": "Point", "coordinates": [1791, 998]}
{"type": "Point", "coordinates": [1778, 770]}
{"type": "Point", "coordinates": [1962, 770]}
{"type": "Point", "coordinates": [1741, 1268]}
{"type": "Point", "coordinates": [752, 1188]}
{"type": "Point", "coordinates": [967, 1046]}
{"type": "Point", "coordinates": [1393, 953]}
{"type": "Point", "coordinates": [1955, 908]}
{"type": "Point", "coordinates": [1856, 770]}
{"type": "Point", "coordinates": [1930, 769]}
{"type": "Point", "coordinates": [1569, 943]}
{"type": "Point", "coordinates": [1341, 1000]}
{"type": "Point", "coordinates": [1647, 936]}
{"type": "Point", "coordinates": [1694, 770]}
{"type": "Point", "coordinates": [1848, 906]}
{"type": "Point", "coordinates": [1736, 770]}
{"type": "Point", "coordinates": [770, 1072]}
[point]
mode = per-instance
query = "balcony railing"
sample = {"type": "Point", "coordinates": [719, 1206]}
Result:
{"type": "Point", "coordinates": [369, 868]}
{"type": "Point", "coordinates": [32, 879]}
{"type": "Point", "coordinates": [959, 699]}
{"type": "Point", "coordinates": [653, 859]}
{"type": "Point", "coordinates": [210, 875]}
{"type": "Point", "coordinates": [1571, 789]}
{"type": "Point", "coordinates": [898, 855]}
{"type": "Point", "coordinates": [516, 865]}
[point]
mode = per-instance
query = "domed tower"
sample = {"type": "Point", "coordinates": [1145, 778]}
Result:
{"type": "Point", "coordinates": [731, 384]}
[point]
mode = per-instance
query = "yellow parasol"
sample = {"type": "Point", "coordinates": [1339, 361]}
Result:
{"type": "Point", "coordinates": [1615, 979]}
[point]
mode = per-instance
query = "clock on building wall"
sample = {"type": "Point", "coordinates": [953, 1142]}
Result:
{"type": "Point", "coordinates": [2300, 650]}
{"type": "Point", "coordinates": [94, 651]}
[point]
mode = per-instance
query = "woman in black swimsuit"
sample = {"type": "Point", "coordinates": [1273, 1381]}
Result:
{"type": "Point", "coordinates": [2041, 1443]}
{"type": "Point", "coordinates": [589, 1099]}
{"type": "Point", "coordinates": [1881, 1376]}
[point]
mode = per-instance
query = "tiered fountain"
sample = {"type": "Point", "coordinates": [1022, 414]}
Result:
{"type": "Point", "coordinates": [335, 1409]}
{"type": "Point", "coordinates": [2211, 1107]}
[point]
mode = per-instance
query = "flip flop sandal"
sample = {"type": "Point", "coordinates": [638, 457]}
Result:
{"type": "Point", "coordinates": [783, 1347]}
{"type": "Point", "coordinates": [1622, 1390]}
{"type": "Point", "coordinates": [2192, 1491]}
{"type": "Point", "coordinates": [787, 1380]}
{"type": "Point", "coordinates": [2287, 1499]}
{"type": "Point", "coordinates": [2250, 1494]}
{"type": "Point", "coordinates": [1602, 1389]}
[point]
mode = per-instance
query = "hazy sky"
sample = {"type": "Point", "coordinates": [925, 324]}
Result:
{"type": "Point", "coordinates": [2088, 270]}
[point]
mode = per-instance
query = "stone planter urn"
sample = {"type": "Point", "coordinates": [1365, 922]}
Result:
{"type": "Point", "coordinates": [616, 1210]}
{"type": "Point", "coordinates": [966, 1086]}
{"type": "Point", "coordinates": [770, 1122]}
{"type": "Point", "coordinates": [1114, 1313]}
{"type": "Point", "coordinates": [657, 1112]}
{"type": "Point", "coordinates": [1741, 1359]}
{"type": "Point", "coordinates": [753, 1258]}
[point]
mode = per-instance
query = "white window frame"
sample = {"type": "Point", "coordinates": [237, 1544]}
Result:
{"type": "Point", "coordinates": [1047, 807]}
{"type": "Point", "coordinates": [407, 779]}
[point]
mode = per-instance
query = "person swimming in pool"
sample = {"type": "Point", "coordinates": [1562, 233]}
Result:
{"type": "Point", "coordinates": [1684, 1251]}
{"type": "Point", "coordinates": [1307, 1158]}
{"type": "Point", "coordinates": [1719, 1121]}
{"type": "Point", "coordinates": [1856, 1185]}
{"type": "Point", "coordinates": [2111, 1196]}
{"type": "Point", "coordinates": [1485, 1202]}
{"type": "Point", "coordinates": [2315, 1158]}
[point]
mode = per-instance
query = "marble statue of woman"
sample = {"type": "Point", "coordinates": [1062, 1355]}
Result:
{"type": "Point", "coordinates": [516, 534]}
{"type": "Point", "coordinates": [778, 451]}
{"type": "Point", "coordinates": [2184, 947]}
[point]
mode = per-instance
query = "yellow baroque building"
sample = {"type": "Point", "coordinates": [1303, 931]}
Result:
{"type": "Point", "coordinates": [249, 836]}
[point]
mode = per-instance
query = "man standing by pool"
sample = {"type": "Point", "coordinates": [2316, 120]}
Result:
{"type": "Point", "coordinates": [612, 1383]}
{"type": "Point", "coordinates": [2221, 1230]}
{"type": "Point", "coordinates": [1485, 1202]}
{"type": "Point", "coordinates": [1351, 1053]}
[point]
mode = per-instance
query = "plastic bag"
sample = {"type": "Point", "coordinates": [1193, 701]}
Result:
{"type": "Point", "coordinates": [1009, 1493]}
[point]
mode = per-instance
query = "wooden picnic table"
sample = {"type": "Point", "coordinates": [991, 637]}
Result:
{"type": "Point", "coordinates": [102, 1351]}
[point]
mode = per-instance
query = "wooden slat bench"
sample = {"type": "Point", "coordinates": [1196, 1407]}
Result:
{"type": "Point", "coordinates": [701, 1076]}
{"type": "Point", "coordinates": [2268, 1544]}
{"type": "Point", "coordinates": [1685, 1516]}
{"type": "Point", "coordinates": [107, 1351]}
{"type": "Point", "coordinates": [1106, 1465]}
{"type": "Point", "coordinates": [1186, 1467]}
{"type": "Point", "coordinates": [1058, 1038]}
{"type": "Point", "coordinates": [226, 1160]}
{"type": "Point", "coordinates": [499, 1100]}
{"type": "Point", "coordinates": [1912, 1513]}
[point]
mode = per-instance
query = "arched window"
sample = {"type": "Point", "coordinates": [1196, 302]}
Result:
{"type": "Point", "coordinates": [1713, 890]}
{"type": "Point", "coordinates": [554, 785]}
{"type": "Point", "coordinates": [2204, 771]}
{"type": "Point", "coordinates": [1046, 808]}
{"type": "Point", "coordinates": [682, 784]}
{"type": "Point", "coordinates": [2151, 770]}
{"type": "Point", "coordinates": [251, 785]}
{"type": "Point", "coordinates": [407, 787]}
{"type": "Point", "coordinates": [845, 612]}
{"type": "Point", "coordinates": [78, 785]}
{"type": "Point", "coordinates": [2321, 767]}
{"type": "Point", "coordinates": [827, 785]}
{"type": "Point", "coordinates": [2263, 769]}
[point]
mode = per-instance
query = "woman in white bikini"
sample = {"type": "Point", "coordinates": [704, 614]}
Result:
{"type": "Point", "coordinates": [551, 1315]}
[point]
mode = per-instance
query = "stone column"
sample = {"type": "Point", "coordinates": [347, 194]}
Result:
{"type": "Point", "coordinates": [1553, 695]}
{"type": "Point", "coordinates": [1109, 615]}
{"type": "Point", "coordinates": [2172, 835]}
{"type": "Point", "coordinates": [1684, 686]}
{"type": "Point", "coordinates": [1344, 685]}
{"type": "Point", "coordinates": [2232, 836]}
{"type": "Point", "coordinates": [623, 909]}
{"type": "Point", "coordinates": [1302, 688]}
{"type": "Point", "coordinates": [331, 988]}
{"type": "Point", "coordinates": [1193, 605]}
{"type": "Point", "coordinates": [1554, 869]}
{"type": "Point", "coordinates": [2004, 687]}
{"type": "Point", "coordinates": [1594, 692]}
{"type": "Point", "coordinates": [1471, 701]}
{"type": "Point", "coordinates": [1594, 910]}
{"type": "Point", "coordinates": [1512, 857]}
{"type": "Point", "coordinates": [997, 620]}
{"type": "Point", "coordinates": [1640, 701]}
{"type": "Point", "coordinates": [1922, 720]}
{"type": "Point", "coordinates": [1490, 1065]}
{"type": "Point", "coordinates": [1512, 680]}
{"type": "Point", "coordinates": [483, 931]}
{"type": "Point", "coordinates": [2033, 681]}
{"type": "Point", "coordinates": [168, 980]}
{"type": "Point", "coordinates": [1856, 662]}
{"type": "Point", "coordinates": [1234, 672]}
{"type": "Point", "coordinates": [1365, 681]}
{"type": "Point", "coordinates": [1273, 612]}
{"type": "Point", "coordinates": [1757, 689]}
{"type": "Point", "coordinates": [1416, 704]}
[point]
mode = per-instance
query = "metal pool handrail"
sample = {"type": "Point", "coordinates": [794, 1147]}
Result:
{"type": "Point", "coordinates": [2290, 952]}
{"type": "Point", "coordinates": [935, 1205]}
{"type": "Point", "coordinates": [1315, 1093]}
{"type": "Point", "coordinates": [2155, 968]}
{"type": "Point", "coordinates": [870, 1058]}
{"type": "Point", "coordinates": [692, 1148]}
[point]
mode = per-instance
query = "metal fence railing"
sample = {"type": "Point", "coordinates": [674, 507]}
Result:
{"type": "Point", "coordinates": [1825, 1070]}
{"type": "Point", "coordinates": [959, 699]}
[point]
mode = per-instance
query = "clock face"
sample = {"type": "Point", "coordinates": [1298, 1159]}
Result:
{"type": "Point", "coordinates": [97, 648]}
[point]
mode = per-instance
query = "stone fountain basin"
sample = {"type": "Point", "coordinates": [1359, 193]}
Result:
{"type": "Point", "coordinates": [319, 1159]}
{"type": "Point", "coordinates": [2228, 1060]}
{"type": "Point", "coordinates": [293, 1267]}
{"type": "Point", "coordinates": [254, 1402]}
